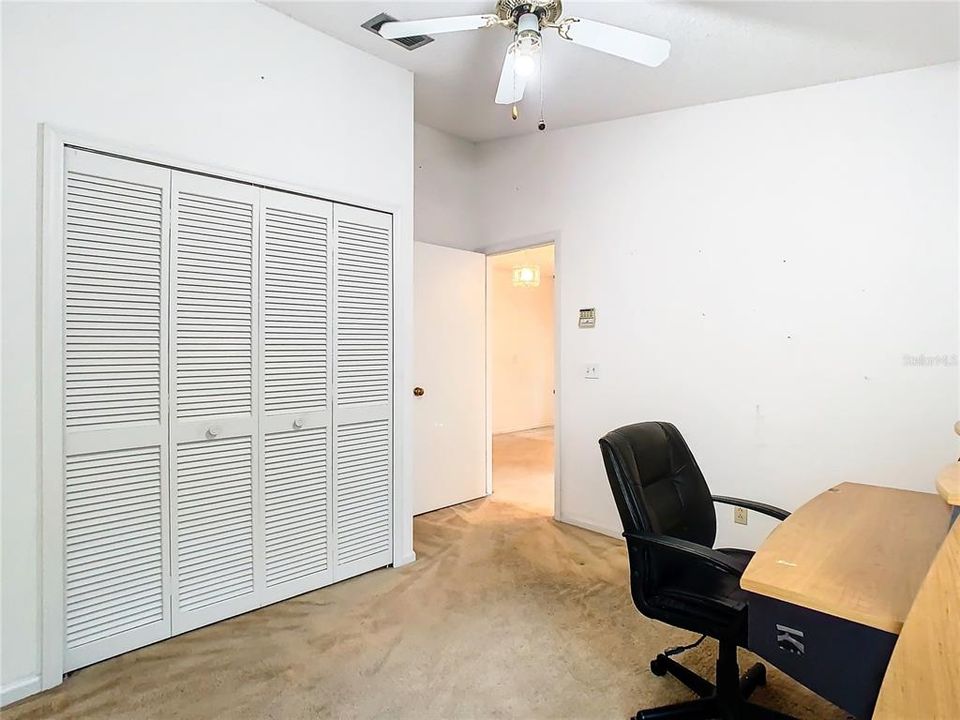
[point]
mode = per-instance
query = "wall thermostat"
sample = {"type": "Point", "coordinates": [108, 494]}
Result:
{"type": "Point", "coordinates": [588, 317]}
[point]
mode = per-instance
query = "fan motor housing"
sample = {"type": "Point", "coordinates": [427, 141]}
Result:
{"type": "Point", "coordinates": [510, 10]}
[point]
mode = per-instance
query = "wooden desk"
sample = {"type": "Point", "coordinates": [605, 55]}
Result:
{"type": "Point", "coordinates": [948, 485]}
{"type": "Point", "coordinates": [832, 586]}
{"type": "Point", "coordinates": [923, 678]}
{"type": "Point", "coordinates": [857, 552]}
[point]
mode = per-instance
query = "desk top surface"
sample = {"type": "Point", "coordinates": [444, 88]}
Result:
{"type": "Point", "coordinates": [948, 483]}
{"type": "Point", "coordinates": [922, 678]}
{"type": "Point", "coordinates": [857, 552]}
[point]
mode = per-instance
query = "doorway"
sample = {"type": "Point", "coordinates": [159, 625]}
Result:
{"type": "Point", "coordinates": [521, 370]}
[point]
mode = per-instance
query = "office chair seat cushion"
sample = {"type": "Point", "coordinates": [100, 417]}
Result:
{"type": "Point", "coordinates": [740, 558]}
{"type": "Point", "coordinates": [706, 601]}
{"type": "Point", "coordinates": [694, 583]}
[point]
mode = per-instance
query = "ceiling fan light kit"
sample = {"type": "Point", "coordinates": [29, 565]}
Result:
{"type": "Point", "coordinates": [528, 18]}
{"type": "Point", "coordinates": [527, 44]}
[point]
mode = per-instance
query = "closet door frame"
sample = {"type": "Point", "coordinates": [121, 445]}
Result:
{"type": "Point", "coordinates": [54, 142]}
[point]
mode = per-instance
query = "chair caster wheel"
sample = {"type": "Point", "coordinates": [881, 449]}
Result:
{"type": "Point", "coordinates": [658, 666]}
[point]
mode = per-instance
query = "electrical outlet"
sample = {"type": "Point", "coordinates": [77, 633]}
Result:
{"type": "Point", "coordinates": [740, 515]}
{"type": "Point", "coordinates": [591, 371]}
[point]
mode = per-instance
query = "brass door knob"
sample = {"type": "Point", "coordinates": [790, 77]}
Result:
{"type": "Point", "coordinates": [418, 391]}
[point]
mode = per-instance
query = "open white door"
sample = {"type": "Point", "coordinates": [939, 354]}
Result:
{"type": "Point", "coordinates": [449, 464]}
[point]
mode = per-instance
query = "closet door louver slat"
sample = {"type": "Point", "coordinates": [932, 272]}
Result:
{"type": "Point", "coordinates": [296, 510]}
{"type": "Point", "coordinates": [215, 314]}
{"type": "Point", "coordinates": [217, 530]}
{"type": "Point", "coordinates": [214, 560]}
{"type": "Point", "coordinates": [114, 549]}
{"type": "Point", "coordinates": [116, 562]}
{"type": "Point", "coordinates": [363, 493]}
{"type": "Point", "coordinates": [363, 309]}
{"type": "Point", "coordinates": [295, 417]}
{"type": "Point", "coordinates": [295, 304]}
{"type": "Point", "coordinates": [112, 300]}
{"type": "Point", "coordinates": [363, 490]}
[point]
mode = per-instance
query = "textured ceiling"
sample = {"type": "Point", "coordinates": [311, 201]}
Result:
{"type": "Point", "coordinates": [721, 50]}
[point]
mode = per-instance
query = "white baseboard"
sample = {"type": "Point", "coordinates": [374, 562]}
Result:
{"type": "Point", "coordinates": [522, 429]}
{"type": "Point", "coordinates": [610, 532]}
{"type": "Point", "coordinates": [19, 689]}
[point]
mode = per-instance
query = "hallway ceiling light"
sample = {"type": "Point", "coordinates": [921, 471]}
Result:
{"type": "Point", "coordinates": [526, 276]}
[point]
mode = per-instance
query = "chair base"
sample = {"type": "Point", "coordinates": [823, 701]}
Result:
{"type": "Point", "coordinates": [710, 709]}
{"type": "Point", "coordinates": [727, 700]}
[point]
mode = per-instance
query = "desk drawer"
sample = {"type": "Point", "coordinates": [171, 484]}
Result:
{"type": "Point", "coordinates": [840, 660]}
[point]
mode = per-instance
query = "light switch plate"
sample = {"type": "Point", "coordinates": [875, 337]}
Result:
{"type": "Point", "coordinates": [591, 371]}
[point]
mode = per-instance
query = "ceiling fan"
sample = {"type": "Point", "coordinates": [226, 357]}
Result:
{"type": "Point", "coordinates": [527, 18]}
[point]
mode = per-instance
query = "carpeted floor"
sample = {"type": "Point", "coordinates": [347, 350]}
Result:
{"type": "Point", "coordinates": [505, 614]}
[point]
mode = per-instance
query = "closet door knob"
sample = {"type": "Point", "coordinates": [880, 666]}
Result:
{"type": "Point", "coordinates": [213, 431]}
{"type": "Point", "coordinates": [298, 423]}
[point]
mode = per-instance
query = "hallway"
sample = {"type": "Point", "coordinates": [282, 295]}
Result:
{"type": "Point", "coordinates": [523, 470]}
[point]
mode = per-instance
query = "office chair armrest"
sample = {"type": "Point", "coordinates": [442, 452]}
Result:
{"type": "Point", "coordinates": [702, 553]}
{"type": "Point", "coordinates": [762, 508]}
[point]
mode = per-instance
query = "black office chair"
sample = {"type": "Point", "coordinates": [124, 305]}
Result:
{"type": "Point", "coordinates": [676, 576]}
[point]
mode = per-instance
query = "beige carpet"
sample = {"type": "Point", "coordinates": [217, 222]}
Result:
{"type": "Point", "coordinates": [505, 614]}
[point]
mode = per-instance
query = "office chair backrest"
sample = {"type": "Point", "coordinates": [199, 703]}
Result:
{"type": "Point", "coordinates": [657, 484]}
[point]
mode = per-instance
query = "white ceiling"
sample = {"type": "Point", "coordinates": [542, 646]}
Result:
{"type": "Point", "coordinates": [721, 50]}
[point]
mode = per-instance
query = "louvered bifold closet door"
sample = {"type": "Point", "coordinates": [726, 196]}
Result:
{"type": "Point", "coordinates": [296, 356]}
{"type": "Point", "coordinates": [116, 563]}
{"type": "Point", "coordinates": [217, 537]}
{"type": "Point", "coordinates": [363, 381]}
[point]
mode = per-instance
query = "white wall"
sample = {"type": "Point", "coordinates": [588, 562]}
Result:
{"type": "Point", "coordinates": [237, 86]}
{"type": "Point", "coordinates": [521, 350]}
{"type": "Point", "coordinates": [760, 269]}
{"type": "Point", "coordinates": [445, 203]}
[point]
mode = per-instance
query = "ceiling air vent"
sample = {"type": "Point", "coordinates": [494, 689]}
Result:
{"type": "Point", "coordinates": [410, 43]}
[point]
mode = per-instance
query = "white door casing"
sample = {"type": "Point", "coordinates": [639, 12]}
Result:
{"type": "Point", "coordinates": [450, 365]}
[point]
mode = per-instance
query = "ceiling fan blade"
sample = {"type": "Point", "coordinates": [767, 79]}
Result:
{"type": "Point", "coordinates": [435, 26]}
{"type": "Point", "coordinates": [641, 48]}
{"type": "Point", "coordinates": [510, 89]}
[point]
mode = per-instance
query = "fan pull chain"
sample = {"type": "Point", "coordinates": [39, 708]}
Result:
{"type": "Point", "coordinates": [541, 125]}
{"type": "Point", "coordinates": [514, 112]}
